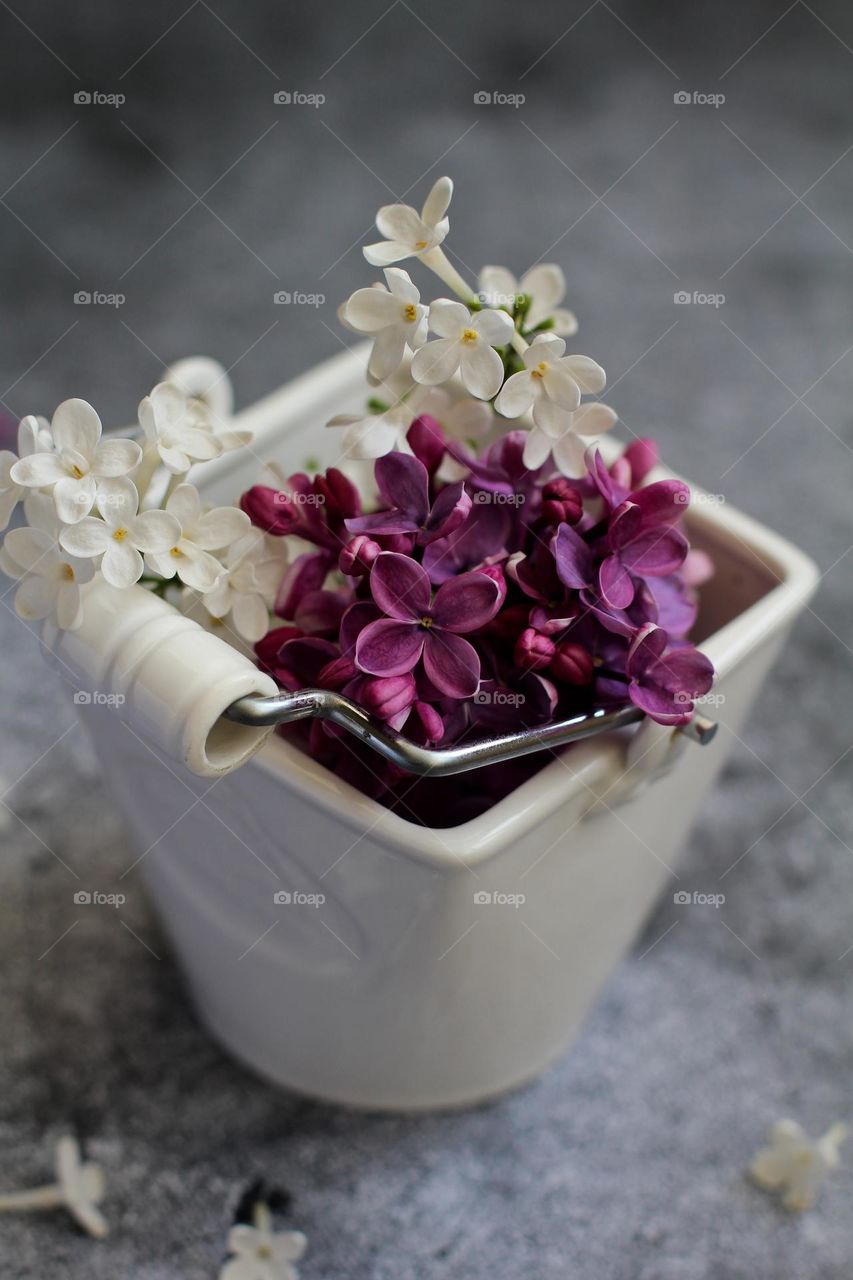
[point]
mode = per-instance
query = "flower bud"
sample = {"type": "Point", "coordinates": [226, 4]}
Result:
{"type": "Point", "coordinates": [270, 510]}
{"type": "Point", "coordinates": [561, 502]}
{"type": "Point", "coordinates": [358, 555]}
{"type": "Point", "coordinates": [337, 673]}
{"type": "Point", "coordinates": [496, 573]}
{"type": "Point", "coordinates": [533, 651]}
{"type": "Point", "coordinates": [572, 663]}
{"type": "Point", "coordinates": [426, 441]}
{"type": "Point", "coordinates": [387, 696]}
{"type": "Point", "coordinates": [507, 625]}
{"type": "Point", "coordinates": [339, 495]}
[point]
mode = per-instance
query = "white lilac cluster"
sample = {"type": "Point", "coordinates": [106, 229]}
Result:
{"type": "Point", "coordinates": [123, 509]}
{"type": "Point", "coordinates": [503, 343]}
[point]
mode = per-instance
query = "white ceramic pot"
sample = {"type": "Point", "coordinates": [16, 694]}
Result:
{"type": "Point", "coordinates": [405, 971]}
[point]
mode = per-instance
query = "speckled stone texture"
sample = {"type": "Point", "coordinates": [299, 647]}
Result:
{"type": "Point", "coordinates": [625, 1161]}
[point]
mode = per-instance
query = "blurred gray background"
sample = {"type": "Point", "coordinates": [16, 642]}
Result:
{"type": "Point", "coordinates": [197, 199]}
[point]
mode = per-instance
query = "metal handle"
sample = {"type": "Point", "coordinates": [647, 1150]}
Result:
{"type": "Point", "coordinates": [285, 708]}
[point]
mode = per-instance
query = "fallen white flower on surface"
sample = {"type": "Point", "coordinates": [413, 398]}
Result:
{"type": "Point", "coordinates": [259, 1253]}
{"type": "Point", "coordinates": [797, 1164]}
{"type": "Point", "coordinates": [80, 1186]}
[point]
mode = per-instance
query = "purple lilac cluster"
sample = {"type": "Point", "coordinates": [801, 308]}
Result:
{"type": "Point", "coordinates": [504, 599]}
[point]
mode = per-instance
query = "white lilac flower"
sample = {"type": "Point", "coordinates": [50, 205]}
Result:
{"type": "Point", "coordinates": [80, 1187]}
{"type": "Point", "coordinates": [177, 428]}
{"type": "Point", "coordinates": [247, 586]}
{"type": "Point", "coordinates": [409, 234]}
{"type": "Point", "coordinates": [544, 285]}
{"type": "Point", "coordinates": [33, 437]}
{"type": "Point", "coordinates": [465, 343]}
{"type": "Point", "coordinates": [259, 1253]}
{"type": "Point", "coordinates": [795, 1164]}
{"type": "Point", "coordinates": [210, 398]}
{"type": "Point", "coordinates": [79, 460]}
{"type": "Point", "coordinates": [50, 579]}
{"type": "Point", "coordinates": [396, 318]}
{"type": "Point", "coordinates": [370, 435]}
{"type": "Point", "coordinates": [123, 533]}
{"type": "Point", "coordinates": [570, 441]}
{"type": "Point", "coordinates": [201, 533]}
{"type": "Point", "coordinates": [551, 384]}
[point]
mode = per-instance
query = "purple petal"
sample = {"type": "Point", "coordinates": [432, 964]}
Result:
{"type": "Point", "coordinates": [648, 646]}
{"type": "Point", "coordinates": [624, 526]}
{"type": "Point", "coordinates": [573, 557]}
{"type": "Point", "coordinates": [307, 573]}
{"type": "Point", "coordinates": [614, 620]}
{"type": "Point", "coordinates": [677, 605]}
{"type": "Point", "coordinates": [320, 612]}
{"type": "Point", "coordinates": [400, 587]}
{"type": "Point", "coordinates": [383, 522]}
{"type": "Point", "coordinates": [450, 509]}
{"type": "Point", "coordinates": [451, 663]}
{"type": "Point", "coordinates": [389, 647]}
{"type": "Point", "coordinates": [425, 438]}
{"type": "Point", "coordinates": [356, 618]}
{"type": "Point", "coordinates": [466, 603]}
{"type": "Point", "coordinates": [656, 553]}
{"type": "Point", "coordinates": [615, 583]}
{"type": "Point", "coordinates": [663, 502]}
{"type": "Point", "coordinates": [306, 658]}
{"type": "Point", "coordinates": [664, 707]}
{"type": "Point", "coordinates": [403, 482]}
{"type": "Point", "coordinates": [483, 534]}
{"type": "Point", "coordinates": [641, 456]}
{"type": "Point", "coordinates": [685, 670]}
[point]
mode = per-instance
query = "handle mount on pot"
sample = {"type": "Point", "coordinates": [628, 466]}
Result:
{"type": "Point", "coordinates": [323, 704]}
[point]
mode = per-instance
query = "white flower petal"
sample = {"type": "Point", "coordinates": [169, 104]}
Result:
{"type": "Point", "coordinates": [198, 569]}
{"type": "Point", "coordinates": [589, 375]}
{"type": "Point", "coordinates": [498, 287]}
{"type": "Point", "coordinates": [370, 310]}
{"type": "Point", "coordinates": [593, 419]}
{"type": "Point", "coordinates": [185, 505]}
{"type": "Point", "coordinates": [386, 251]}
{"type": "Point", "coordinates": [565, 322]}
{"type": "Point", "coordinates": [29, 548]}
{"type": "Point", "coordinates": [481, 368]}
{"type": "Point", "coordinates": [494, 327]}
{"type": "Point", "coordinates": [367, 438]}
{"type": "Point", "coordinates": [74, 499]}
{"type": "Point", "coordinates": [545, 284]}
{"type": "Point", "coordinates": [90, 537]}
{"type": "Point", "coordinates": [561, 387]}
{"type": "Point", "coordinates": [437, 202]}
{"type": "Point", "coordinates": [38, 470]}
{"type": "Point", "coordinates": [468, 419]}
{"type": "Point", "coordinates": [122, 564]}
{"type": "Point", "coordinates": [401, 285]}
{"type": "Point", "coordinates": [198, 444]}
{"type": "Point", "coordinates": [517, 395]}
{"type": "Point", "coordinates": [448, 318]}
{"type": "Point", "coordinates": [387, 354]}
{"type": "Point", "coordinates": [154, 531]}
{"type": "Point", "coordinates": [537, 446]}
{"type": "Point", "coordinates": [117, 501]}
{"type": "Point", "coordinates": [116, 457]}
{"type": "Point", "coordinates": [569, 453]}
{"type": "Point", "coordinates": [76, 426]}
{"type": "Point", "coordinates": [174, 459]}
{"type": "Point", "coordinates": [9, 499]}
{"type": "Point", "coordinates": [551, 418]}
{"type": "Point", "coordinates": [438, 361]}
{"type": "Point", "coordinates": [545, 347]}
{"type": "Point", "coordinates": [220, 527]}
{"type": "Point", "coordinates": [200, 378]}
{"type": "Point", "coordinates": [250, 617]}
{"type": "Point", "coordinates": [35, 599]}
{"type": "Point", "coordinates": [401, 223]}
{"type": "Point", "coordinates": [69, 609]}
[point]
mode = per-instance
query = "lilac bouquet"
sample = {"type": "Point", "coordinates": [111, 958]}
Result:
{"type": "Point", "coordinates": [485, 579]}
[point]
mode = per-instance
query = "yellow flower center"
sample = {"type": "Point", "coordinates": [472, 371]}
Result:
{"type": "Point", "coordinates": [410, 312]}
{"type": "Point", "coordinates": [120, 534]}
{"type": "Point", "coordinates": [176, 552]}
{"type": "Point", "coordinates": [421, 244]}
{"type": "Point", "coordinates": [539, 371]}
{"type": "Point", "coordinates": [67, 572]}
{"type": "Point", "coordinates": [76, 472]}
{"type": "Point", "coordinates": [426, 621]}
{"type": "Point", "coordinates": [264, 1251]}
{"type": "Point", "coordinates": [469, 336]}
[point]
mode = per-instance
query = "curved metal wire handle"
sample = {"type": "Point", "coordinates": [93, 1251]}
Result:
{"type": "Point", "coordinates": [285, 708]}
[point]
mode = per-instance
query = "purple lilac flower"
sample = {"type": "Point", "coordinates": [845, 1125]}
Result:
{"type": "Point", "coordinates": [403, 484]}
{"type": "Point", "coordinates": [415, 627]}
{"type": "Point", "coordinates": [666, 683]}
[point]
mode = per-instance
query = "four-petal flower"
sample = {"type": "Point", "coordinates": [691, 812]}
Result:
{"type": "Point", "coordinates": [394, 316]}
{"type": "Point", "coordinates": [409, 234]}
{"type": "Point", "coordinates": [122, 534]}
{"type": "Point", "coordinates": [465, 342]}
